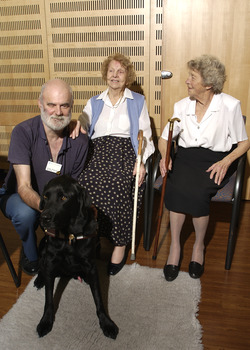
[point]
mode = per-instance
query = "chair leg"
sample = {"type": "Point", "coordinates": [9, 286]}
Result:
{"type": "Point", "coordinates": [146, 233]}
{"type": "Point", "coordinates": [149, 218]}
{"type": "Point", "coordinates": [9, 262]}
{"type": "Point", "coordinates": [235, 211]}
{"type": "Point", "coordinates": [232, 234]}
{"type": "Point", "coordinates": [145, 219]}
{"type": "Point", "coordinates": [146, 237]}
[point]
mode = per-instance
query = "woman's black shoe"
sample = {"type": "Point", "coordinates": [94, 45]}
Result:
{"type": "Point", "coordinates": [195, 269]}
{"type": "Point", "coordinates": [113, 269]}
{"type": "Point", "coordinates": [171, 272]}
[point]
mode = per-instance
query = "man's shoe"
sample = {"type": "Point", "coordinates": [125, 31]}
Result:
{"type": "Point", "coordinates": [195, 269]}
{"type": "Point", "coordinates": [29, 267]}
{"type": "Point", "coordinates": [171, 272]}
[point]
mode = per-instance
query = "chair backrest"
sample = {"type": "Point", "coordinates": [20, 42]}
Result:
{"type": "Point", "coordinates": [227, 193]}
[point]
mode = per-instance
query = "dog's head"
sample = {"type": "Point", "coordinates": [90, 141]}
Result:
{"type": "Point", "coordinates": [66, 207]}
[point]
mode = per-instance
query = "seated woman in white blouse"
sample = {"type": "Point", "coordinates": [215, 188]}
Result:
{"type": "Point", "coordinates": [211, 137]}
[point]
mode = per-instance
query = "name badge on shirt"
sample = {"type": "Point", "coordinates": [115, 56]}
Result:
{"type": "Point", "coordinates": [53, 167]}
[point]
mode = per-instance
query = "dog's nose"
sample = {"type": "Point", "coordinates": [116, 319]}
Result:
{"type": "Point", "coordinates": [45, 218]}
{"type": "Point", "coordinates": [45, 215]}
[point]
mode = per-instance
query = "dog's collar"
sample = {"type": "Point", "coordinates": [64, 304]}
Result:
{"type": "Point", "coordinates": [52, 233]}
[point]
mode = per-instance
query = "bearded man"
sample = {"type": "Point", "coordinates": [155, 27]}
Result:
{"type": "Point", "coordinates": [40, 149]}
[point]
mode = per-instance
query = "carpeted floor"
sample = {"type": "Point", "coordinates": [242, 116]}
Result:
{"type": "Point", "coordinates": [151, 313]}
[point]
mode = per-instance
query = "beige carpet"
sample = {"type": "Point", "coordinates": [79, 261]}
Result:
{"type": "Point", "coordinates": [151, 314]}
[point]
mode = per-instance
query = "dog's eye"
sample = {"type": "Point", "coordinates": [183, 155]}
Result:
{"type": "Point", "coordinates": [63, 198]}
{"type": "Point", "coordinates": [45, 197]}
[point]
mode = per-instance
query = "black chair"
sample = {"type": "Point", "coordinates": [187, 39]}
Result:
{"type": "Point", "coordinates": [230, 193]}
{"type": "Point", "coordinates": [9, 262]}
{"type": "Point", "coordinates": [149, 198]}
{"type": "Point", "coordinates": [3, 246]}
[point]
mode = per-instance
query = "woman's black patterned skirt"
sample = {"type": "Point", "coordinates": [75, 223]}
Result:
{"type": "Point", "coordinates": [108, 178]}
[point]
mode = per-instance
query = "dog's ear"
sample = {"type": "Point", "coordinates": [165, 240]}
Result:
{"type": "Point", "coordinates": [84, 198]}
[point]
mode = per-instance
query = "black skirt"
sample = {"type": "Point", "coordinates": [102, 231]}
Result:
{"type": "Point", "coordinates": [189, 188]}
{"type": "Point", "coordinates": [108, 178]}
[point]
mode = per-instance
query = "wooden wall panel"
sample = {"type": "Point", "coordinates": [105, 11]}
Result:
{"type": "Point", "coordinates": [23, 65]}
{"type": "Point", "coordinates": [220, 28]}
{"type": "Point", "coordinates": [155, 58]}
{"type": "Point", "coordinates": [81, 34]}
{"type": "Point", "coordinates": [69, 40]}
{"type": "Point", "coordinates": [24, 60]}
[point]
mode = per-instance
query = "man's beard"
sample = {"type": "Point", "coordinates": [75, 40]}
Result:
{"type": "Point", "coordinates": [54, 122]}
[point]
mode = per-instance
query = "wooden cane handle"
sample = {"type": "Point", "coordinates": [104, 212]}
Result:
{"type": "Point", "coordinates": [170, 132]}
{"type": "Point", "coordinates": [140, 139]}
{"type": "Point", "coordinates": [171, 123]}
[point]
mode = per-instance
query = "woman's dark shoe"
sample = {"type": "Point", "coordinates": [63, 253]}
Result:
{"type": "Point", "coordinates": [171, 272]}
{"type": "Point", "coordinates": [113, 269]}
{"type": "Point", "coordinates": [195, 269]}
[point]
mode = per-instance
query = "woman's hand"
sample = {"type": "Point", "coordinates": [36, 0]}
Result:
{"type": "Point", "coordinates": [162, 166]}
{"type": "Point", "coordinates": [142, 173]}
{"type": "Point", "coordinates": [218, 170]}
{"type": "Point", "coordinates": [75, 128]}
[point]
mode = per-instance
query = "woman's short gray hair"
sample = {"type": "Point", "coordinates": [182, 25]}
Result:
{"type": "Point", "coordinates": [212, 71]}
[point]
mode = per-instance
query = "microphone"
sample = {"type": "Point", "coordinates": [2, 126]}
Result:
{"type": "Point", "coordinates": [165, 74]}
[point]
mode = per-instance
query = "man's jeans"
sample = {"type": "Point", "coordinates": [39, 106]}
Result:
{"type": "Point", "coordinates": [24, 219]}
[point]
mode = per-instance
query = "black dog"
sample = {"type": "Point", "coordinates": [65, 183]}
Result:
{"type": "Point", "coordinates": [68, 248]}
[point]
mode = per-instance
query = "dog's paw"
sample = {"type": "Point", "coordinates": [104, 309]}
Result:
{"type": "Point", "coordinates": [109, 328]}
{"type": "Point", "coordinates": [39, 281]}
{"type": "Point", "coordinates": [44, 327]}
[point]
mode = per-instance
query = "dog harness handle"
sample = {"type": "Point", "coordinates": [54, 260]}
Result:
{"type": "Point", "coordinates": [71, 236]}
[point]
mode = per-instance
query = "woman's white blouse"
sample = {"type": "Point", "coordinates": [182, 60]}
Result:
{"type": "Point", "coordinates": [220, 128]}
{"type": "Point", "coordinates": [114, 121]}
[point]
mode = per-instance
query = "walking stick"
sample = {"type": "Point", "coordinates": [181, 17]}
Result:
{"type": "Point", "coordinates": [167, 159]}
{"type": "Point", "coordinates": [140, 139]}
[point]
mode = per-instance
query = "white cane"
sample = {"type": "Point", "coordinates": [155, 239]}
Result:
{"type": "Point", "coordinates": [140, 138]}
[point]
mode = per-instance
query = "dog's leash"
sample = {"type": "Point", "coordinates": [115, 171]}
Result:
{"type": "Point", "coordinates": [71, 236]}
